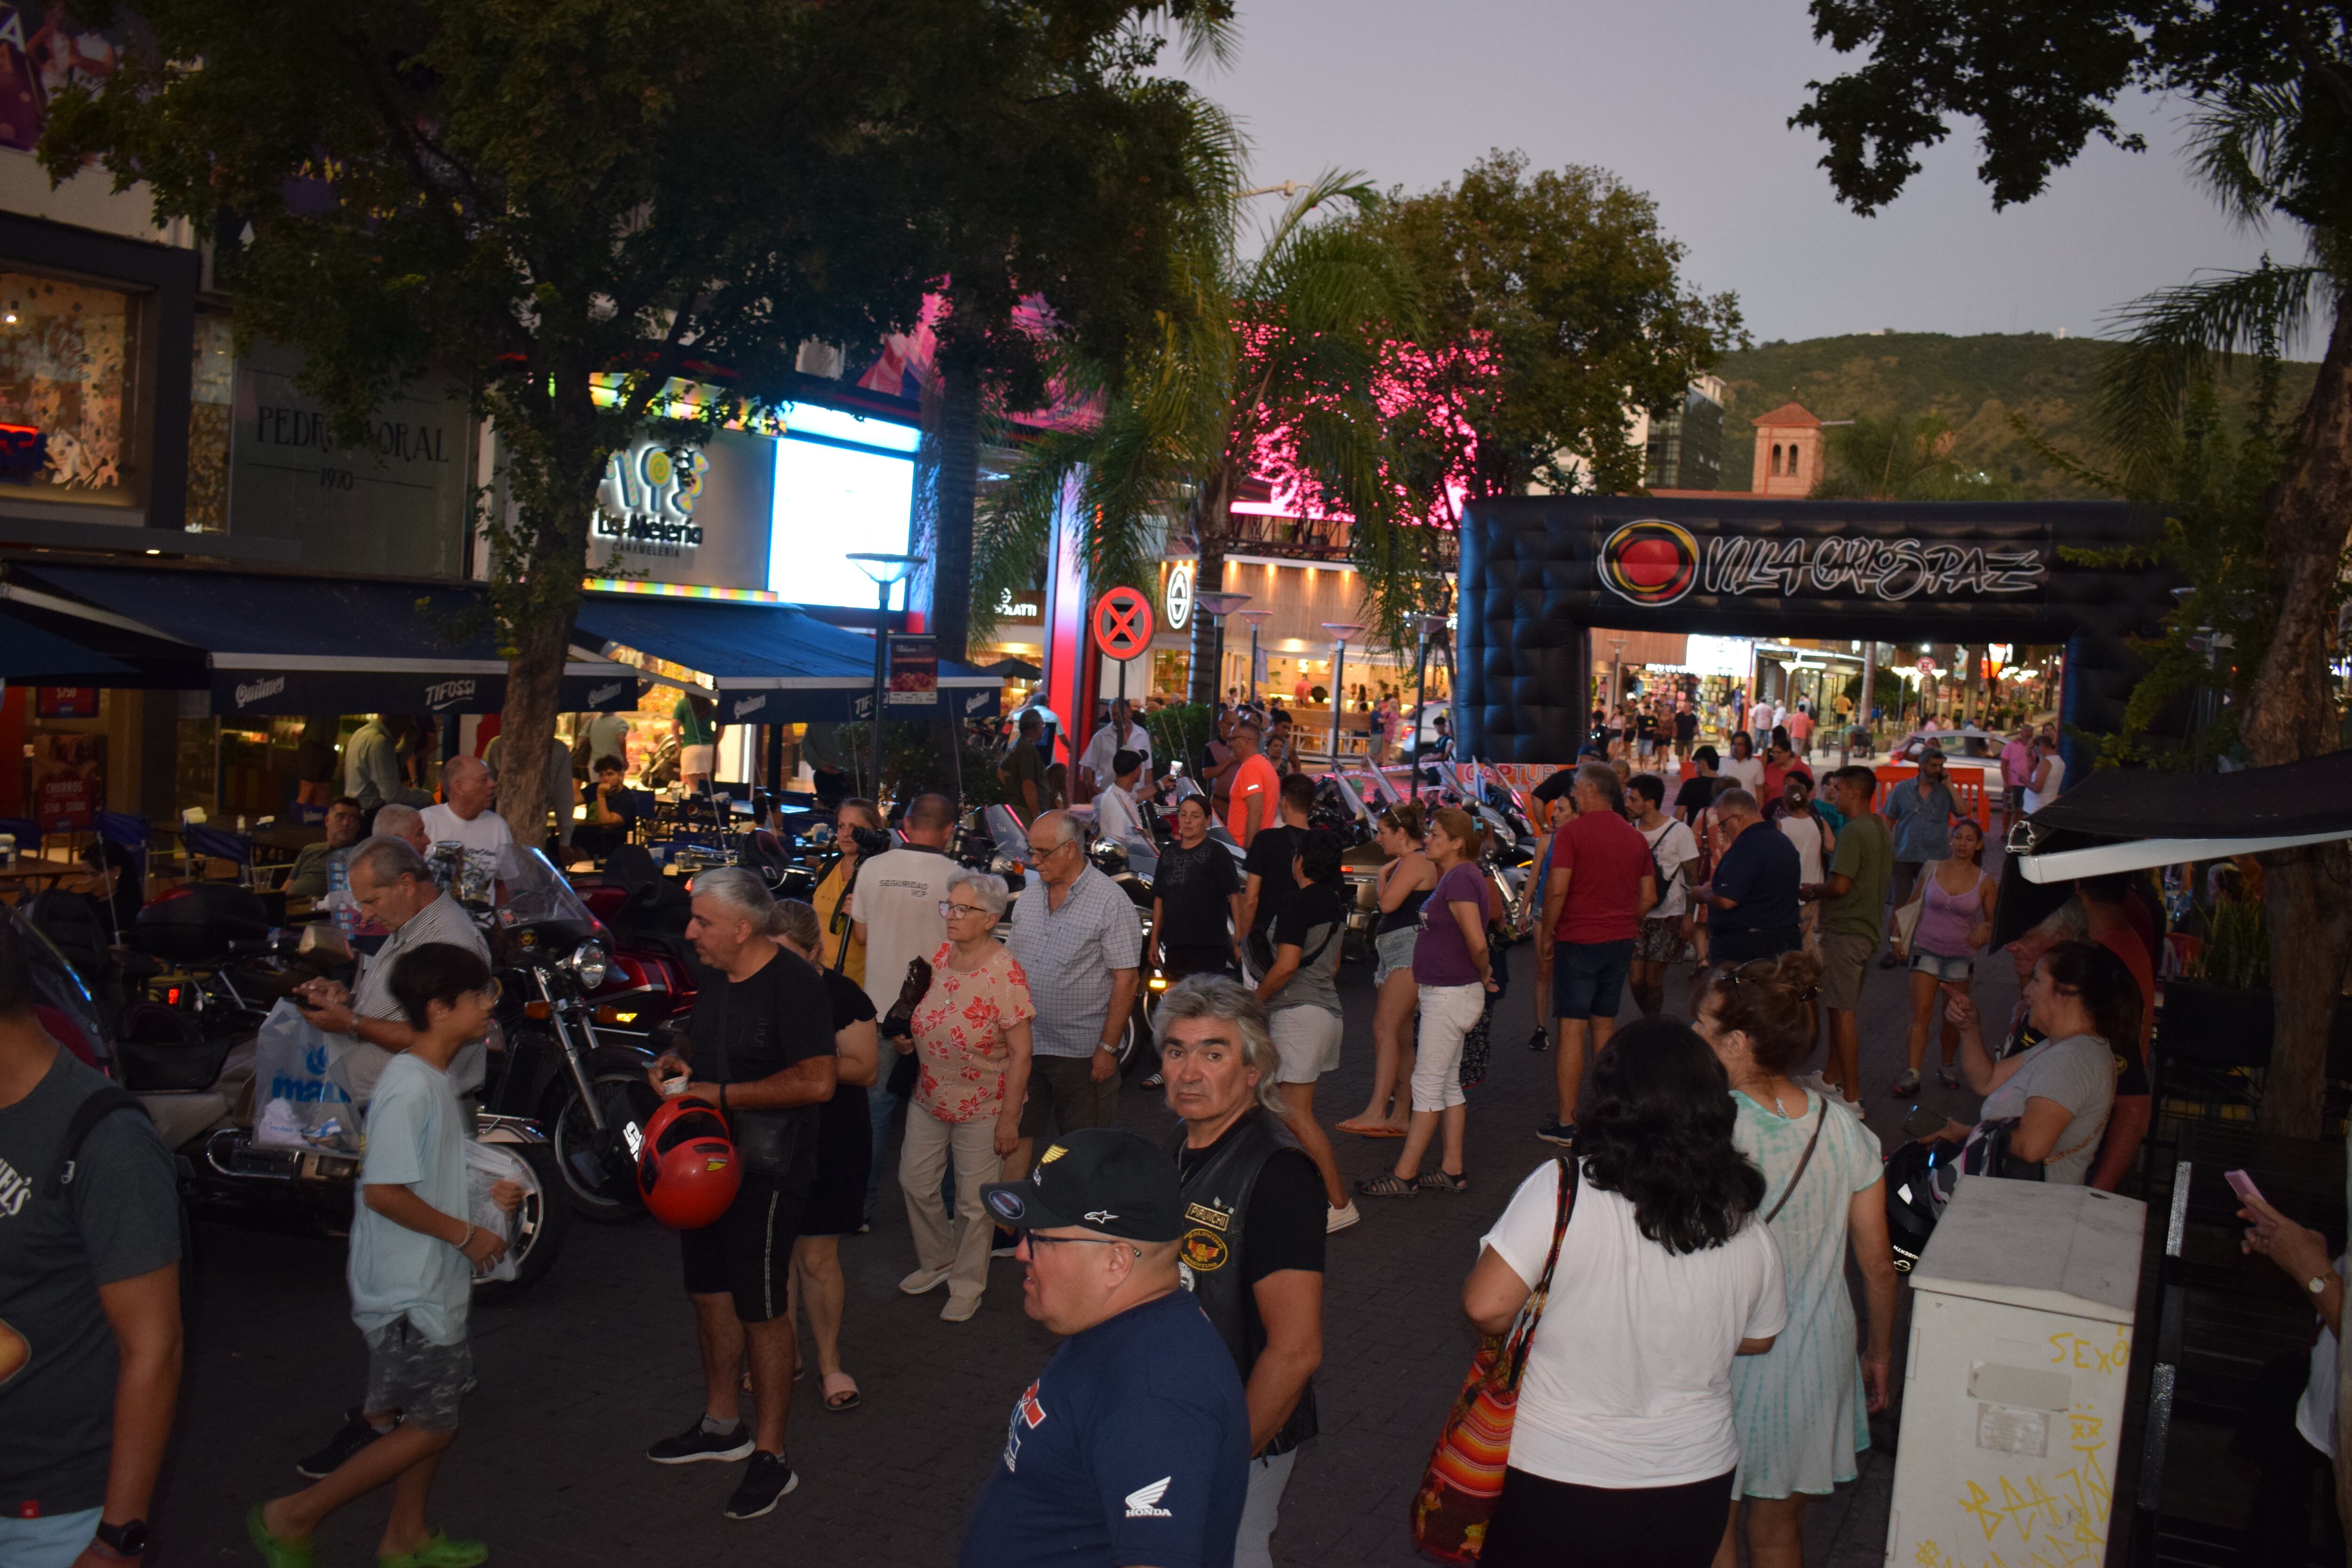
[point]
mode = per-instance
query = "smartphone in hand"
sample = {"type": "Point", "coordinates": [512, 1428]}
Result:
{"type": "Point", "coordinates": [1922, 1122]}
{"type": "Point", "coordinates": [2244, 1185]}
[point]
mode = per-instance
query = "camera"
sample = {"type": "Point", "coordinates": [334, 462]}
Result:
{"type": "Point", "coordinates": [870, 840]}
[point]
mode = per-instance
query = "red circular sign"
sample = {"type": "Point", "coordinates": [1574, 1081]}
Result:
{"type": "Point", "coordinates": [1122, 622]}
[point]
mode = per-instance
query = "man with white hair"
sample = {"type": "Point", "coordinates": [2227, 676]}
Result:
{"type": "Point", "coordinates": [394, 888]}
{"type": "Point", "coordinates": [1256, 1214]}
{"type": "Point", "coordinates": [465, 818]}
{"type": "Point", "coordinates": [1132, 1445]}
{"type": "Point", "coordinates": [1080, 941]}
{"type": "Point", "coordinates": [759, 1046]}
{"type": "Point", "coordinates": [404, 822]}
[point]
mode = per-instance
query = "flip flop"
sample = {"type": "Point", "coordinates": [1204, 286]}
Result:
{"type": "Point", "coordinates": [843, 1398]}
{"type": "Point", "coordinates": [1370, 1129]}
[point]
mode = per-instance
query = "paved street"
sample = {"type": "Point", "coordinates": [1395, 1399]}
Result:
{"type": "Point", "coordinates": [599, 1360]}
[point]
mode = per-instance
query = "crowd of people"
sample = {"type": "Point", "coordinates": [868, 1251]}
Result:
{"type": "Point", "coordinates": [1698, 1368]}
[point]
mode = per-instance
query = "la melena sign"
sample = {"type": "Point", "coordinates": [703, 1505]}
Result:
{"type": "Point", "coordinates": [646, 502]}
{"type": "Point", "coordinates": [1653, 563]}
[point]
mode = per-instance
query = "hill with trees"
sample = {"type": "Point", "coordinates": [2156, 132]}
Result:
{"type": "Point", "coordinates": [1973, 383]}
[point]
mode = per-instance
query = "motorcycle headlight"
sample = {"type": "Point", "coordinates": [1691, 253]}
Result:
{"type": "Point", "coordinates": [589, 964]}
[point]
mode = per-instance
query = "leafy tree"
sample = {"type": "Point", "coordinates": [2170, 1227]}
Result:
{"type": "Point", "coordinates": [1573, 300]}
{"type": "Point", "coordinates": [1900, 459]}
{"type": "Point", "coordinates": [2273, 85]}
{"type": "Point", "coordinates": [581, 209]}
{"type": "Point", "coordinates": [1272, 360]}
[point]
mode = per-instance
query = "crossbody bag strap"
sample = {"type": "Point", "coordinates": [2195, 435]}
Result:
{"type": "Point", "coordinates": [1523, 1332]}
{"type": "Point", "coordinates": [1804, 1160]}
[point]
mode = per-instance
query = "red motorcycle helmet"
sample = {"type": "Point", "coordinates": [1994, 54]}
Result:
{"type": "Point", "coordinates": [687, 1167]}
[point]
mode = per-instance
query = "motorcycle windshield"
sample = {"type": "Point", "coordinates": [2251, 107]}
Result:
{"type": "Point", "coordinates": [536, 897]}
{"type": "Point", "coordinates": [62, 1000]}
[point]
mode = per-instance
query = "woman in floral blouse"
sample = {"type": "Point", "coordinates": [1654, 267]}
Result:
{"type": "Point", "coordinates": [972, 1033]}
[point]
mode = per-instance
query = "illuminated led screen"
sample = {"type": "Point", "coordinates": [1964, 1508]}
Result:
{"type": "Point", "coordinates": [832, 500]}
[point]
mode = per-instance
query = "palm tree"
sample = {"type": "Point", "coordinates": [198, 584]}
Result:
{"type": "Point", "coordinates": [1278, 355]}
{"type": "Point", "coordinates": [2269, 152]}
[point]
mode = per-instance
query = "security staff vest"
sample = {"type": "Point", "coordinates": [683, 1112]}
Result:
{"type": "Point", "coordinates": [1216, 1213]}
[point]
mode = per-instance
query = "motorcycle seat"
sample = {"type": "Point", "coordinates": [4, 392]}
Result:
{"type": "Point", "coordinates": [183, 1115]}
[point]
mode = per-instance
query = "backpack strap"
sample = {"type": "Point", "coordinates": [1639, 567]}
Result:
{"type": "Point", "coordinates": [86, 1116]}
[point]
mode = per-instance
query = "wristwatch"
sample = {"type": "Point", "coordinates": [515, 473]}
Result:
{"type": "Point", "coordinates": [128, 1539]}
{"type": "Point", "coordinates": [2318, 1284]}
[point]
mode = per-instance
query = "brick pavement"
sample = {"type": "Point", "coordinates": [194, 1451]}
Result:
{"type": "Point", "coordinates": [599, 1360]}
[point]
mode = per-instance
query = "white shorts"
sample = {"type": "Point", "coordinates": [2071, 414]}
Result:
{"type": "Point", "coordinates": [1307, 1039]}
{"type": "Point", "coordinates": [697, 760]}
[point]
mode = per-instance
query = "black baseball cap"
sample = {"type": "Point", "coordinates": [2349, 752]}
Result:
{"type": "Point", "coordinates": [1101, 1178]}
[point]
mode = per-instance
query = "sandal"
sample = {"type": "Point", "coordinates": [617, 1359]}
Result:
{"type": "Point", "coordinates": [1444, 1182]}
{"type": "Point", "coordinates": [844, 1397]}
{"type": "Point", "coordinates": [275, 1550]}
{"type": "Point", "coordinates": [1388, 1185]}
{"type": "Point", "coordinates": [1371, 1129]}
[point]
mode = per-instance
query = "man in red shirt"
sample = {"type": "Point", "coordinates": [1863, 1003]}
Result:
{"type": "Point", "coordinates": [1602, 882]}
{"type": "Point", "coordinates": [1254, 786]}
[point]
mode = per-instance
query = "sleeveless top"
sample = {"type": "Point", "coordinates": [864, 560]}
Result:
{"type": "Point", "coordinates": [1945, 920]}
{"type": "Point", "coordinates": [1406, 916]}
{"type": "Point", "coordinates": [2036, 799]}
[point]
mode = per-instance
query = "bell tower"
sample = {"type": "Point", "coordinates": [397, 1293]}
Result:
{"type": "Point", "coordinates": [1787, 452]}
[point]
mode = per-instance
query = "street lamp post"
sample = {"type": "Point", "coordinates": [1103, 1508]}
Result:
{"type": "Point", "coordinates": [1430, 625]}
{"type": "Point", "coordinates": [886, 571]}
{"type": "Point", "coordinates": [1341, 632]}
{"type": "Point", "coordinates": [1219, 604]}
{"type": "Point", "coordinates": [1257, 619]}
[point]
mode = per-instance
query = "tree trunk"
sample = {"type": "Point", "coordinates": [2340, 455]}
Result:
{"type": "Point", "coordinates": [534, 688]}
{"type": "Point", "coordinates": [2290, 715]}
{"type": "Point", "coordinates": [955, 489]}
{"type": "Point", "coordinates": [1210, 525]}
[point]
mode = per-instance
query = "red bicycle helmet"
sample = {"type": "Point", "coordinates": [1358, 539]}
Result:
{"type": "Point", "coordinates": [686, 1168]}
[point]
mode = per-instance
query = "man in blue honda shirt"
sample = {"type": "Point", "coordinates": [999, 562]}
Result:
{"type": "Point", "coordinates": [1131, 1449]}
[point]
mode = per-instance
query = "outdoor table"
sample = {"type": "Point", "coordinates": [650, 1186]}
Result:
{"type": "Point", "coordinates": [30, 868]}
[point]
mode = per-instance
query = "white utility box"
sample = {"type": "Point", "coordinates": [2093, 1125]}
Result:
{"type": "Point", "coordinates": [2013, 1394]}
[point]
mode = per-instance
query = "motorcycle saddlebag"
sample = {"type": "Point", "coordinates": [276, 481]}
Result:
{"type": "Point", "coordinates": [160, 1048]}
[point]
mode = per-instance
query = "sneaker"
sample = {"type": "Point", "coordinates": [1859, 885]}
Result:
{"type": "Point", "coordinates": [1340, 1218]}
{"type": "Point", "coordinates": [699, 1442]}
{"type": "Point", "coordinates": [1006, 1243]}
{"type": "Point", "coordinates": [1540, 1040]}
{"type": "Point", "coordinates": [440, 1551]}
{"type": "Point", "coordinates": [1560, 1133]}
{"type": "Point", "coordinates": [1907, 1085]}
{"type": "Point", "coordinates": [922, 1282]}
{"type": "Point", "coordinates": [767, 1481]}
{"type": "Point", "coordinates": [355, 1435]}
{"type": "Point", "coordinates": [960, 1308]}
{"type": "Point", "coordinates": [1948, 1078]}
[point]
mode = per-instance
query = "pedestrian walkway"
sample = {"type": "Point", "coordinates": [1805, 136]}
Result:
{"type": "Point", "coordinates": [578, 1376]}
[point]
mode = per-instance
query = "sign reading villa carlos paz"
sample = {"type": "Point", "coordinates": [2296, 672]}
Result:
{"type": "Point", "coordinates": [1653, 563]}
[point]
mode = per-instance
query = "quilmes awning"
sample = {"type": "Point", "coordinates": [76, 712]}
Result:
{"type": "Point", "coordinates": [267, 644]}
{"type": "Point", "coordinates": [770, 664]}
{"type": "Point", "coordinates": [27, 653]}
{"type": "Point", "coordinates": [2121, 819]}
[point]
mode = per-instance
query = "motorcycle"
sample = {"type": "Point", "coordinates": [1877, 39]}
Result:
{"type": "Point", "coordinates": [589, 1090]}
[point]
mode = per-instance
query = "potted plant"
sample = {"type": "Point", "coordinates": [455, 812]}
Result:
{"type": "Point", "coordinates": [2221, 1011]}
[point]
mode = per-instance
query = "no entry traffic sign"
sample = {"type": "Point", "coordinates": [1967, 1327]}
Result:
{"type": "Point", "coordinates": [1122, 622]}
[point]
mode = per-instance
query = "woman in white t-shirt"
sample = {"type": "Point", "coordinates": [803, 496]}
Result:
{"type": "Point", "coordinates": [1624, 1445]}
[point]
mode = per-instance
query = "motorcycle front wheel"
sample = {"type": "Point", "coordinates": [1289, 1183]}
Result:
{"type": "Point", "coordinates": [623, 1095]}
{"type": "Point", "coordinates": [539, 1224]}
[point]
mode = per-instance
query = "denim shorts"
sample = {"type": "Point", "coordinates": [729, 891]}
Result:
{"type": "Point", "coordinates": [1942, 968]}
{"type": "Point", "coordinates": [1393, 951]}
{"type": "Point", "coordinates": [1588, 978]}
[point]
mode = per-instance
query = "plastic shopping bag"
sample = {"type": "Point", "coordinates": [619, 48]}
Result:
{"type": "Point", "coordinates": [488, 1164]}
{"type": "Point", "coordinates": [298, 1104]}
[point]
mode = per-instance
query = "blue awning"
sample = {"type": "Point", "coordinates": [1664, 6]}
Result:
{"type": "Point", "coordinates": [770, 664]}
{"type": "Point", "coordinates": [273, 644]}
{"type": "Point", "coordinates": [28, 653]}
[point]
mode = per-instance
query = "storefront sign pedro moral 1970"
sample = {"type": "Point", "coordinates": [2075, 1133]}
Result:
{"type": "Point", "coordinates": [1655, 563]}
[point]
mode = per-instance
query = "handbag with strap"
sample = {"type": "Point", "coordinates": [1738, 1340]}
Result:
{"type": "Point", "coordinates": [1463, 1480]}
{"type": "Point", "coordinates": [1802, 1161]}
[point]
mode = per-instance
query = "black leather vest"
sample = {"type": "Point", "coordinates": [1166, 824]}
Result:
{"type": "Point", "coordinates": [1216, 1213]}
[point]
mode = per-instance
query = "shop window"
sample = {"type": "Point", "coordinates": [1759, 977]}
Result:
{"type": "Point", "coordinates": [213, 389]}
{"type": "Point", "coordinates": [66, 391]}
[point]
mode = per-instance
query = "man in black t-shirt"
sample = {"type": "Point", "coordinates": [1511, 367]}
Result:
{"type": "Point", "coordinates": [1256, 1219]}
{"type": "Point", "coordinates": [1698, 790]}
{"type": "Point", "coordinates": [761, 1040]}
{"type": "Point", "coordinates": [1268, 869]}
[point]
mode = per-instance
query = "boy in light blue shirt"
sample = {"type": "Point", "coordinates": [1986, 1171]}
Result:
{"type": "Point", "coordinates": [413, 1258]}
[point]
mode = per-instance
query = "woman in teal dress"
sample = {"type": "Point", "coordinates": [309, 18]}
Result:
{"type": "Point", "coordinates": [1800, 1409]}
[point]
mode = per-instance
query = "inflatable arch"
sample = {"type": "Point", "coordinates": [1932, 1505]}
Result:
{"type": "Point", "coordinates": [1539, 571]}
